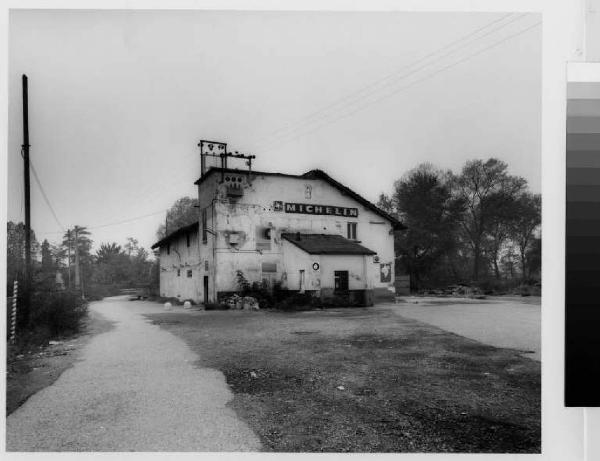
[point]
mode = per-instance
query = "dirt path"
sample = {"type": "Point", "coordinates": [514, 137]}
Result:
{"type": "Point", "coordinates": [135, 389]}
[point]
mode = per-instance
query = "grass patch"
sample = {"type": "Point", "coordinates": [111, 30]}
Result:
{"type": "Point", "coordinates": [365, 380]}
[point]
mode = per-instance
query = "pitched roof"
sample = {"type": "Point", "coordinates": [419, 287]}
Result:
{"type": "Point", "coordinates": [194, 227]}
{"type": "Point", "coordinates": [315, 174]}
{"type": "Point", "coordinates": [326, 244]}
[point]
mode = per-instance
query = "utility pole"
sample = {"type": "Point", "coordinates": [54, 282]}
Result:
{"type": "Point", "coordinates": [25, 147]}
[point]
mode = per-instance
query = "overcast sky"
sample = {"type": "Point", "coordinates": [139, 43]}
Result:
{"type": "Point", "coordinates": [120, 99]}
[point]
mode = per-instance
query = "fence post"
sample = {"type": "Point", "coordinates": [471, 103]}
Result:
{"type": "Point", "coordinates": [13, 317]}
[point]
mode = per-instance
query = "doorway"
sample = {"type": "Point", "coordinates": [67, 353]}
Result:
{"type": "Point", "coordinates": [301, 275]}
{"type": "Point", "coordinates": [341, 281]}
{"type": "Point", "coordinates": [206, 289]}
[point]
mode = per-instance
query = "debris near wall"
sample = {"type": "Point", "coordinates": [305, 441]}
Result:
{"type": "Point", "coordinates": [237, 302]}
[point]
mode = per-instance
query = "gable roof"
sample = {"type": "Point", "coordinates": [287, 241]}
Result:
{"type": "Point", "coordinates": [194, 227]}
{"type": "Point", "coordinates": [314, 174]}
{"type": "Point", "coordinates": [326, 244]}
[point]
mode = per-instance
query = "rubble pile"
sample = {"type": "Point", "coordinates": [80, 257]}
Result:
{"type": "Point", "coordinates": [237, 302]}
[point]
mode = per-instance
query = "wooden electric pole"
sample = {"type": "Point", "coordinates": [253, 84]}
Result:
{"type": "Point", "coordinates": [25, 147]}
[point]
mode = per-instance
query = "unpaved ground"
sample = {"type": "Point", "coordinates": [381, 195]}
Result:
{"type": "Point", "coordinates": [135, 389]}
{"type": "Point", "coordinates": [509, 322]}
{"type": "Point", "coordinates": [39, 367]}
{"type": "Point", "coordinates": [366, 380]}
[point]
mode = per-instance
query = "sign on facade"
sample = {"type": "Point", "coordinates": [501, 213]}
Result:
{"type": "Point", "coordinates": [308, 208]}
{"type": "Point", "coordinates": [385, 271]}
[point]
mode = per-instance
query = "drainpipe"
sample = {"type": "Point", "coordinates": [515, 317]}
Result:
{"type": "Point", "coordinates": [215, 237]}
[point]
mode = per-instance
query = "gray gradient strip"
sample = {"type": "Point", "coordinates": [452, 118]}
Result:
{"type": "Point", "coordinates": [584, 142]}
{"type": "Point", "coordinates": [583, 108]}
{"type": "Point", "coordinates": [587, 90]}
{"type": "Point", "coordinates": [584, 125]}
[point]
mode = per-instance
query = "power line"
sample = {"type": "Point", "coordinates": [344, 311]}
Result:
{"type": "Point", "coordinates": [137, 218]}
{"type": "Point", "coordinates": [46, 199]}
{"type": "Point", "coordinates": [397, 90]}
{"type": "Point", "coordinates": [390, 79]}
{"type": "Point", "coordinates": [116, 223]}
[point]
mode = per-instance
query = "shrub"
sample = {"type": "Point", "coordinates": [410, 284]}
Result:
{"type": "Point", "coordinates": [59, 312]}
{"type": "Point", "coordinates": [96, 292]}
{"type": "Point", "coordinates": [216, 306]}
{"type": "Point", "coordinates": [260, 291]}
{"type": "Point", "coordinates": [297, 302]}
{"type": "Point", "coordinates": [340, 300]}
{"type": "Point", "coordinates": [242, 282]}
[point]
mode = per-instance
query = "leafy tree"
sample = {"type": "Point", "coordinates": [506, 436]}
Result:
{"type": "Point", "coordinates": [509, 261]}
{"type": "Point", "coordinates": [131, 247]}
{"type": "Point", "coordinates": [79, 237]}
{"type": "Point", "coordinates": [534, 259]}
{"type": "Point", "coordinates": [527, 220]}
{"type": "Point", "coordinates": [488, 192]}
{"type": "Point", "coordinates": [47, 259]}
{"type": "Point", "coordinates": [423, 201]}
{"type": "Point", "coordinates": [130, 266]}
{"type": "Point", "coordinates": [108, 252]}
{"type": "Point", "coordinates": [15, 252]}
{"type": "Point", "coordinates": [183, 212]}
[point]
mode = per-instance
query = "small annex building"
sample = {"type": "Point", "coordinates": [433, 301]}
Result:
{"type": "Point", "coordinates": [305, 233]}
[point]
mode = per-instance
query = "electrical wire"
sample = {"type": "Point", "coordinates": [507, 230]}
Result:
{"type": "Point", "coordinates": [116, 223]}
{"type": "Point", "coordinates": [398, 90]}
{"type": "Point", "coordinates": [362, 90]}
{"type": "Point", "coordinates": [395, 75]}
{"type": "Point", "coordinates": [45, 196]}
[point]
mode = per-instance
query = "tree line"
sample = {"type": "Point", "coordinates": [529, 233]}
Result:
{"type": "Point", "coordinates": [56, 266]}
{"type": "Point", "coordinates": [480, 226]}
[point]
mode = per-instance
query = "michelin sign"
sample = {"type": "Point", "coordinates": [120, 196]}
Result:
{"type": "Point", "coordinates": [308, 208]}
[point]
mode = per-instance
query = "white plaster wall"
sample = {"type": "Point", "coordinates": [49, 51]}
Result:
{"type": "Point", "coordinates": [294, 260]}
{"type": "Point", "coordinates": [354, 264]}
{"type": "Point", "coordinates": [183, 258]}
{"type": "Point", "coordinates": [255, 209]}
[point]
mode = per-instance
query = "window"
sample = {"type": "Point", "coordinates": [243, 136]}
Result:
{"type": "Point", "coordinates": [189, 273]}
{"type": "Point", "coordinates": [340, 280]}
{"type": "Point", "coordinates": [187, 240]}
{"type": "Point", "coordinates": [178, 272]}
{"type": "Point", "coordinates": [352, 230]}
{"type": "Point", "coordinates": [204, 233]}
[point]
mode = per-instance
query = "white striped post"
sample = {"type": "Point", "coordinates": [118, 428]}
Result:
{"type": "Point", "coordinates": [13, 317]}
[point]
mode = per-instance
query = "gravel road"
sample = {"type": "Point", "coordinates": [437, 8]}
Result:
{"type": "Point", "coordinates": [135, 389]}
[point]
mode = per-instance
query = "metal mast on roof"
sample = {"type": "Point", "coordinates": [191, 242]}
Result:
{"type": "Point", "coordinates": [219, 150]}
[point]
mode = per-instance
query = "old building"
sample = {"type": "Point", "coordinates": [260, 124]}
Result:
{"type": "Point", "coordinates": [304, 233]}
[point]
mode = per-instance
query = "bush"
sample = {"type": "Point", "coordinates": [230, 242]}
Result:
{"type": "Point", "coordinates": [298, 302]}
{"type": "Point", "coordinates": [340, 300]}
{"type": "Point", "coordinates": [260, 291]}
{"type": "Point", "coordinates": [59, 312]}
{"type": "Point", "coordinates": [98, 292]}
{"type": "Point", "coordinates": [216, 306]}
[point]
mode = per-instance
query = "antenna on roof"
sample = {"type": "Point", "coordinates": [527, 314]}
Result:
{"type": "Point", "coordinates": [218, 150]}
